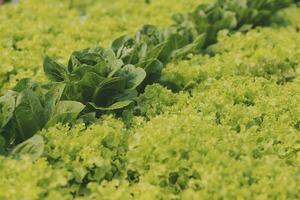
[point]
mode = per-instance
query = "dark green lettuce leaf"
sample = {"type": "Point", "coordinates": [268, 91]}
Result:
{"type": "Point", "coordinates": [29, 115]}
{"type": "Point", "coordinates": [7, 108]}
{"type": "Point", "coordinates": [2, 146]}
{"type": "Point", "coordinates": [55, 71]}
{"type": "Point", "coordinates": [26, 83]}
{"type": "Point", "coordinates": [134, 76]}
{"type": "Point", "coordinates": [52, 98]}
{"type": "Point", "coordinates": [105, 92]}
{"type": "Point", "coordinates": [33, 147]}
{"type": "Point", "coordinates": [194, 47]}
{"type": "Point", "coordinates": [66, 112]}
{"type": "Point", "coordinates": [115, 106]}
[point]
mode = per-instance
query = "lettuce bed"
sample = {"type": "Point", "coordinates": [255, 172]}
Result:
{"type": "Point", "coordinates": [230, 132]}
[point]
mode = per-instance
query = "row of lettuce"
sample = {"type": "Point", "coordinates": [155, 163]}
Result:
{"type": "Point", "coordinates": [103, 79]}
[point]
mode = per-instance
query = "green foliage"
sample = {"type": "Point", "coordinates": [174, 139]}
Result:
{"type": "Point", "coordinates": [155, 100]}
{"type": "Point", "coordinates": [31, 180]}
{"type": "Point", "coordinates": [107, 79]}
{"type": "Point", "coordinates": [230, 132]}
{"type": "Point", "coordinates": [96, 77]}
{"type": "Point", "coordinates": [30, 107]}
{"type": "Point", "coordinates": [33, 147]}
{"type": "Point", "coordinates": [108, 85]}
{"type": "Point", "coordinates": [101, 160]}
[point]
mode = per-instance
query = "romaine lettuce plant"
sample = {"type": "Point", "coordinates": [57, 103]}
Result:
{"type": "Point", "coordinates": [96, 77]}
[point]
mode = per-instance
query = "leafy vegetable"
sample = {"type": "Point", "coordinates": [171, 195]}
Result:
{"type": "Point", "coordinates": [115, 106]}
{"type": "Point", "coordinates": [65, 112]}
{"type": "Point", "coordinates": [29, 115]}
{"type": "Point", "coordinates": [33, 147]}
{"type": "Point", "coordinates": [29, 108]}
{"type": "Point", "coordinates": [54, 71]}
{"type": "Point", "coordinates": [97, 77]}
{"type": "Point", "coordinates": [7, 107]}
